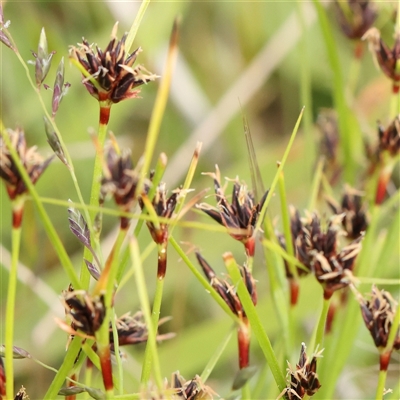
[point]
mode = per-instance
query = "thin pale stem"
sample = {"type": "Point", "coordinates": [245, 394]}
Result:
{"type": "Point", "coordinates": [155, 316]}
{"type": "Point", "coordinates": [318, 334]}
{"type": "Point", "coordinates": [10, 307]}
{"type": "Point", "coordinates": [381, 384]}
{"type": "Point", "coordinates": [144, 302]}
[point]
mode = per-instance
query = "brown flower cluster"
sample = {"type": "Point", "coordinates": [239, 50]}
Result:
{"type": "Point", "coordinates": [355, 219]}
{"type": "Point", "coordinates": [378, 314]}
{"type": "Point", "coordinates": [318, 250]}
{"type": "Point", "coordinates": [355, 17]}
{"type": "Point", "coordinates": [240, 216]}
{"type": "Point", "coordinates": [30, 159]}
{"type": "Point", "coordinates": [303, 379]}
{"type": "Point", "coordinates": [110, 75]}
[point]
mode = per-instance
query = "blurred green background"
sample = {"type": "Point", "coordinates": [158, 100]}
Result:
{"type": "Point", "coordinates": [235, 59]}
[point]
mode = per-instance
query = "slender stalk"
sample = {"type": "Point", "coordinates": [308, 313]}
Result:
{"type": "Point", "coordinates": [155, 316]}
{"type": "Point", "coordinates": [69, 359]}
{"type": "Point", "coordinates": [159, 106]}
{"type": "Point", "coordinates": [144, 302]}
{"type": "Point", "coordinates": [96, 182]}
{"type": "Point", "coordinates": [215, 357]}
{"type": "Point", "coordinates": [318, 334]}
{"type": "Point", "coordinates": [381, 384]}
{"type": "Point", "coordinates": [18, 206]}
{"type": "Point", "coordinates": [117, 354]}
{"type": "Point", "coordinates": [294, 281]}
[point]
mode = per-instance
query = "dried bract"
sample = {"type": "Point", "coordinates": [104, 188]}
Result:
{"type": "Point", "coordinates": [30, 159]}
{"type": "Point", "coordinates": [240, 216]}
{"type": "Point", "coordinates": [110, 75]}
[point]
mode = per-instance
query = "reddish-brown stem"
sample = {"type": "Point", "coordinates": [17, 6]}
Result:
{"type": "Point", "coordinates": [17, 217]}
{"type": "Point", "coordinates": [106, 367]}
{"type": "Point", "coordinates": [162, 260]}
{"type": "Point", "coordinates": [244, 343]}
{"type": "Point", "coordinates": [383, 180]}
{"type": "Point", "coordinates": [294, 291]}
{"type": "Point", "coordinates": [330, 317]}
{"type": "Point", "coordinates": [395, 87]}
{"type": "Point", "coordinates": [359, 50]}
{"type": "Point", "coordinates": [104, 114]}
{"type": "Point", "coordinates": [384, 360]}
{"type": "Point", "coordinates": [124, 223]}
{"type": "Point", "coordinates": [250, 246]}
{"type": "Point", "coordinates": [69, 384]}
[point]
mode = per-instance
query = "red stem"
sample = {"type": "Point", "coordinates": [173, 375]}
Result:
{"type": "Point", "coordinates": [250, 246]}
{"type": "Point", "coordinates": [17, 217]}
{"type": "Point", "coordinates": [69, 384]}
{"type": "Point", "coordinates": [384, 360]}
{"type": "Point", "coordinates": [106, 368]}
{"type": "Point", "coordinates": [162, 261]}
{"type": "Point", "coordinates": [104, 114]}
{"type": "Point", "coordinates": [294, 291]}
{"type": "Point", "coordinates": [244, 343]}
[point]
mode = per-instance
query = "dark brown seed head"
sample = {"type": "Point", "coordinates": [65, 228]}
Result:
{"type": "Point", "coordinates": [86, 312]}
{"type": "Point", "coordinates": [120, 179]}
{"type": "Point", "coordinates": [164, 207]}
{"type": "Point", "coordinates": [385, 57]}
{"type": "Point", "coordinates": [303, 379]}
{"type": "Point", "coordinates": [193, 389]}
{"type": "Point", "coordinates": [112, 70]}
{"type": "Point", "coordinates": [389, 138]}
{"type": "Point", "coordinates": [355, 17]}
{"type": "Point", "coordinates": [355, 220]}
{"type": "Point", "coordinates": [240, 216]}
{"type": "Point", "coordinates": [226, 290]}
{"type": "Point", "coordinates": [30, 159]}
{"type": "Point", "coordinates": [378, 314]}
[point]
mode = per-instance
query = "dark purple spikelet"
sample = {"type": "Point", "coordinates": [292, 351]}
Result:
{"type": "Point", "coordinates": [355, 219]}
{"type": "Point", "coordinates": [193, 389]}
{"type": "Point", "coordinates": [60, 88]}
{"type": "Point", "coordinates": [30, 159]}
{"type": "Point", "coordinates": [120, 179]}
{"type": "Point", "coordinates": [240, 216]}
{"type": "Point", "coordinates": [385, 57]}
{"type": "Point", "coordinates": [389, 137]}
{"type": "Point", "coordinates": [85, 311]}
{"type": "Point", "coordinates": [355, 17]}
{"type": "Point", "coordinates": [303, 380]}
{"type": "Point", "coordinates": [110, 75]}
{"type": "Point", "coordinates": [378, 314]}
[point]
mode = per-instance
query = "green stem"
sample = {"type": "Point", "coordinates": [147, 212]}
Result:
{"type": "Point", "coordinates": [144, 302]}
{"type": "Point", "coordinates": [246, 394]}
{"type": "Point", "coordinates": [147, 362]}
{"type": "Point", "coordinates": [10, 307]}
{"type": "Point", "coordinates": [381, 385]}
{"type": "Point", "coordinates": [69, 359]}
{"type": "Point", "coordinates": [95, 190]}
{"type": "Point", "coordinates": [318, 334]}
{"type": "Point", "coordinates": [216, 356]}
{"type": "Point", "coordinates": [286, 225]}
